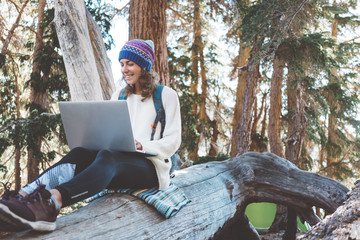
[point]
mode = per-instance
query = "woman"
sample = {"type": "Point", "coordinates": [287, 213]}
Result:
{"type": "Point", "coordinates": [83, 173]}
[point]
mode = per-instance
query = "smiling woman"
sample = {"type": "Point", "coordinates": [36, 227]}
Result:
{"type": "Point", "coordinates": [89, 171]}
{"type": "Point", "coordinates": [136, 60]}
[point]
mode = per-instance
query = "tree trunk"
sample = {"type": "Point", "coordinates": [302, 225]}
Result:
{"type": "Point", "coordinates": [203, 120]}
{"type": "Point", "coordinates": [296, 117]}
{"type": "Point", "coordinates": [17, 166]}
{"type": "Point", "coordinates": [17, 169]}
{"type": "Point", "coordinates": [73, 34]}
{"type": "Point", "coordinates": [263, 122]}
{"type": "Point", "coordinates": [102, 63]}
{"type": "Point", "coordinates": [195, 59]}
{"type": "Point", "coordinates": [147, 20]}
{"type": "Point", "coordinates": [243, 130]}
{"type": "Point", "coordinates": [296, 133]}
{"type": "Point", "coordinates": [276, 145]}
{"type": "Point", "coordinates": [204, 92]}
{"type": "Point", "coordinates": [257, 144]}
{"type": "Point", "coordinates": [215, 133]}
{"type": "Point", "coordinates": [39, 97]}
{"type": "Point", "coordinates": [244, 54]}
{"type": "Point", "coordinates": [333, 148]}
{"type": "Point", "coordinates": [219, 196]}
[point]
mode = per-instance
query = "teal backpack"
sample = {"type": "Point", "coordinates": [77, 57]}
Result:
{"type": "Point", "coordinates": [160, 117]}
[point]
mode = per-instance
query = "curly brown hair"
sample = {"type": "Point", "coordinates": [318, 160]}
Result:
{"type": "Point", "coordinates": [148, 82]}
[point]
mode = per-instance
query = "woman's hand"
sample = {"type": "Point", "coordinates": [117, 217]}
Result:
{"type": "Point", "coordinates": [138, 145]}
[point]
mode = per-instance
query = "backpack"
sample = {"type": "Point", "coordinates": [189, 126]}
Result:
{"type": "Point", "coordinates": [160, 117]}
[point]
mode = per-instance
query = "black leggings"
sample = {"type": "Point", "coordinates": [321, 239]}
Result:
{"type": "Point", "coordinates": [94, 171]}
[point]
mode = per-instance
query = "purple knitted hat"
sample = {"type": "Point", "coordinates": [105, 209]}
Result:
{"type": "Point", "coordinates": [140, 52]}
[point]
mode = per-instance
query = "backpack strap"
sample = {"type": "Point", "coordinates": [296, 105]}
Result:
{"type": "Point", "coordinates": [122, 95]}
{"type": "Point", "coordinates": [159, 108]}
{"type": "Point", "coordinates": [160, 112]}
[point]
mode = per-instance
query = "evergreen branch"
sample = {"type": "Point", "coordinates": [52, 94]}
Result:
{"type": "Point", "coordinates": [176, 13]}
{"type": "Point", "coordinates": [118, 11]}
{"type": "Point", "coordinates": [347, 152]}
{"type": "Point", "coordinates": [14, 122]}
{"type": "Point", "coordinates": [287, 26]}
{"type": "Point", "coordinates": [358, 37]}
{"type": "Point", "coordinates": [22, 121]}
{"type": "Point", "coordinates": [276, 40]}
{"type": "Point", "coordinates": [10, 157]}
{"type": "Point", "coordinates": [13, 27]}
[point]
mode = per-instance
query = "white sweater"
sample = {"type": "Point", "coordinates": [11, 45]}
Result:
{"type": "Point", "coordinates": [142, 116]}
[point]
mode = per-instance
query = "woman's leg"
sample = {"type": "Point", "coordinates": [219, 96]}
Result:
{"type": "Point", "coordinates": [39, 209]}
{"type": "Point", "coordinates": [111, 170]}
{"type": "Point", "coordinates": [63, 171]}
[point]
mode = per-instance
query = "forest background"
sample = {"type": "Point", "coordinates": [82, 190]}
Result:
{"type": "Point", "coordinates": [278, 76]}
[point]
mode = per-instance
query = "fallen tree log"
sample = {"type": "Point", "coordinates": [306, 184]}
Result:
{"type": "Point", "coordinates": [344, 223]}
{"type": "Point", "coordinates": [219, 193]}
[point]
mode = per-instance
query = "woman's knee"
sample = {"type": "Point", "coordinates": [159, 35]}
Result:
{"type": "Point", "coordinates": [106, 157]}
{"type": "Point", "coordinates": [79, 151]}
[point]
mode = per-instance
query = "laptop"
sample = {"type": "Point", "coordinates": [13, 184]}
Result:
{"type": "Point", "coordinates": [97, 125]}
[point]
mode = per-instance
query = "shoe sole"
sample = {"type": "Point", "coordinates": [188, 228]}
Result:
{"type": "Point", "coordinates": [8, 216]}
{"type": "Point", "coordinates": [7, 226]}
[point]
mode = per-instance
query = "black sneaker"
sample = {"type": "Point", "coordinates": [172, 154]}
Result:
{"type": "Point", "coordinates": [36, 211]}
{"type": "Point", "coordinates": [9, 195]}
{"type": "Point", "coordinates": [6, 224]}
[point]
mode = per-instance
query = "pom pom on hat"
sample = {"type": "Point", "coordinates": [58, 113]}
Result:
{"type": "Point", "coordinates": [140, 52]}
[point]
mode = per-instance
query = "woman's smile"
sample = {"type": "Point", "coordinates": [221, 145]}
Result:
{"type": "Point", "coordinates": [130, 70]}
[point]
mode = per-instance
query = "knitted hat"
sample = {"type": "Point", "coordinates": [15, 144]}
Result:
{"type": "Point", "coordinates": [140, 52]}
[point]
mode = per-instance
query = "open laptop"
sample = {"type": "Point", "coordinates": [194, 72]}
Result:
{"type": "Point", "coordinates": [99, 125]}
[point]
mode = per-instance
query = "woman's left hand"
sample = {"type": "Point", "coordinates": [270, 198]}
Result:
{"type": "Point", "coordinates": [138, 145]}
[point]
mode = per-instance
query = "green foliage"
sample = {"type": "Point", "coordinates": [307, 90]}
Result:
{"type": "Point", "coordinates": [180, 71]}
{"type": "Point", "coordinates": [25, 132]}
{"type": "Point", "coordinates": [4, 144]}
{"type": "Point", "coordinates": [103, 14]}
{"type": "Point", "coordinates": [4, 170]}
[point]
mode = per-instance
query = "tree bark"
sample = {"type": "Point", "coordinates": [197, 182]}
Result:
{"type": "Point", "coordinates": [73, 34]}
{"type": "Point", "coordinates": [17, 165]}
{"type": "Point", "coordinates": [334, 142]}
{"type": "Point", "coordinates": [195, 59]}
{"type": "Point", "coordinates": [244, 54]}
{"type": "Point", "coordinates": [243, 130]}
{"type": "Point", "coordinates": [276, 145]}
{"type": "Point", "coordinates": [204, 120]}
{"type": "Point", "coordinates": [147, 20]}
{"type": "Point", "coordinates": [215, 133]}
{"type": "Point", "coordinates": [296, 132]}
{"type": "Point", "coordinates": [257, 145]}
{"type": "Point", "coordinates": [219, 193]}
{"type": "Point", "coordinates": [39, 97]}
{"type": "Point", "coordinates": [102, 62]}
{"type": "Point", "coordinates": [296, 118]}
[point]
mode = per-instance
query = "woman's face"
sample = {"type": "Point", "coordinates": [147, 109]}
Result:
{"type": "Point", "coordinates": [130, 70]}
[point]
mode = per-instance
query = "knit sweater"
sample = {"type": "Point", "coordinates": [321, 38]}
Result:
{"type": "Point", "coordinates": [142, 116]}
